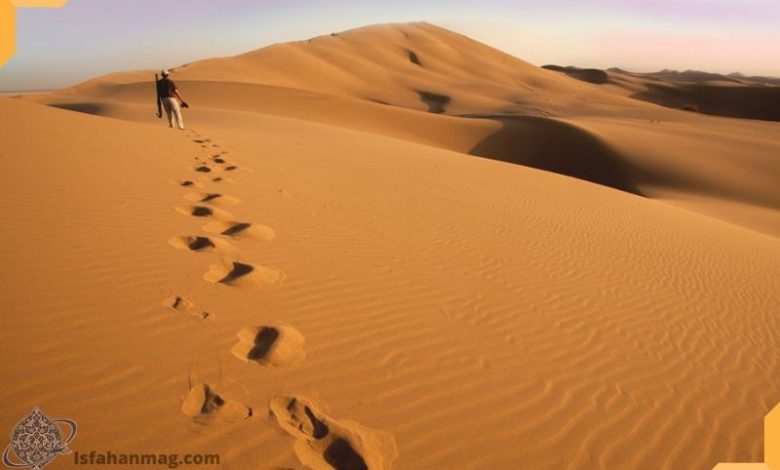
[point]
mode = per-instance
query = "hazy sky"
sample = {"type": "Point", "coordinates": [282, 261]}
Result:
{"type": "Point", "coordinates": [86, 38]}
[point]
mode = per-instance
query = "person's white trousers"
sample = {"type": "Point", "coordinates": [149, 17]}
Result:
{"type": "Point", "coordinates": [173, 111]}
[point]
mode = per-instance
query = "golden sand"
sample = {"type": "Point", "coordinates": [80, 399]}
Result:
{"type": "Point", "coordinates": [482, 264]}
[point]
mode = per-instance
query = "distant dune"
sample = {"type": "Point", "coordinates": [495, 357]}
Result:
{"type": "Point", "coordinates": [732, 95]}
{"type": "Point", "coordinates": [397, 247]}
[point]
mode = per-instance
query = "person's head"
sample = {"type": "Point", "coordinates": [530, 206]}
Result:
{"type": "Point", "coordinates": [165, 73]}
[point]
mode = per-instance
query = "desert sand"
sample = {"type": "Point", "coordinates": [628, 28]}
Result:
{"type": "Point", "coordinates": [392, 247]}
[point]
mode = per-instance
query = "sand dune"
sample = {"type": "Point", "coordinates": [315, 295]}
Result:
{"type": "Point", "coordinates": [434, 255]}
{"type": "Point", "coordinates": [366, 80]}
{"type": "Point", "coordinates": [701, 92]}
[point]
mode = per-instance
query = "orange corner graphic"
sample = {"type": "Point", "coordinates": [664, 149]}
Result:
{"type": "Point", "coordinates": [771, 446]}
{"type": "Point", "coordinates": [39, 3]}
{"type": "Point", "coordinates": [772, 438]}
{"type": "Point", "coordinates": [8, 22]}
{"type": "Point", "coordinates": [7, 31]}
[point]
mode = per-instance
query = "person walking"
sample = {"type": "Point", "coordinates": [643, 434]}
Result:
{"type": "Point", "coordinates": [169, 97]}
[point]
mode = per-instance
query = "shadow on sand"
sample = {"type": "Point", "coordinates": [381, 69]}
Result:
{"type": "Point", "coordinates": [96, 109]}
{"type": "Point", "coordinates": [558, 147]}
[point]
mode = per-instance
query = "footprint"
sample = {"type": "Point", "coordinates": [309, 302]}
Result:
{"type": "Point", "coordinates": [203, 405]}
{"type": "Point", "coordinates": [182, 305]}
{"type": "Point", "coordinates": [203, 169]}
{"type": "Point", "coordinates": [212, 198]}
{"type": "Point", "coordinates": [241, 230]}
{"type": "Point", "coordinates": [276, 345]}
{"type": "Point", "coordinates": [234, 273]}
{"type": "Point", "coordinates": [203, 211]}
{"type": "Point", "coordinates": [186, 183]}
{"type": "Point", "coordinates": [218, 159]}
{"type": "Point", "coordinates": [201, 244]}
{"type": "Point", "coordinates": [231, 168]}
{"type": "Point", "coordinates": [324, 443]}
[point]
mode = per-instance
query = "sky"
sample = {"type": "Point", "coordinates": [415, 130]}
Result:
{"type": "Point", "coordinates": [87, 38]}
